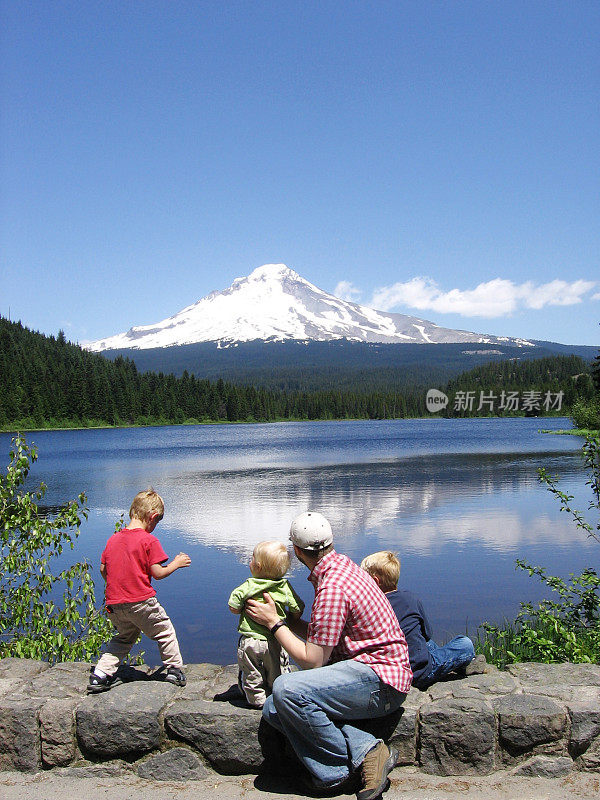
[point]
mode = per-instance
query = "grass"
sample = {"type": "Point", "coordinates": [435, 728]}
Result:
{"type": "Point", "coordinates": [573, 432]}
{"type": "Point", "coordinates": [544, 641]}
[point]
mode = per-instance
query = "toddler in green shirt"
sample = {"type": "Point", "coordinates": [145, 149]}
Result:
{"type": "Point", "coordinates": [260, 656]}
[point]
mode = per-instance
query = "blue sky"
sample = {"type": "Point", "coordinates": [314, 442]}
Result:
{"type": "Point", "coordinates": [438, 159]}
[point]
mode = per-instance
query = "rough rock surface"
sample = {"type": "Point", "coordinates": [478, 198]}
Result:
{"type": "Point", "coordinates": [87, 769]}
{"type": "Point", "coordinates": [536, 719]}
{"type": "Point", "coordinates": [530, 724]}
{"type": "Point", "coordinates": [57, 731]}
{"type": "Point", "coordinates": [585, 724]}
{"type": "Point", "coordinates": [124, 721]}
{"type": "Point", "coordinates": [457, 737]}
{"type": "Point", "coordinates": [21, 669]}
{"type": "Point", "coordinates": [590, 760]}
{"type": "Point", "coordinates": [176, 764]}
{"type": "Point", "coordinates": [20, 744]}
{"type": "Point", "coordinates": [545, 767]}
{"type": "Point", "coordinates": [225, 735]}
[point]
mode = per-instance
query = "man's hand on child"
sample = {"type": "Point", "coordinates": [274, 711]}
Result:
{"type": "Point", "coordinates": [263, 613]}
{"type": "Point", "coordinates": [182, 560]}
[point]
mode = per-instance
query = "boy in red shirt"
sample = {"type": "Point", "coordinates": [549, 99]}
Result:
{"type": "Point", "coordinates": [131, 558]}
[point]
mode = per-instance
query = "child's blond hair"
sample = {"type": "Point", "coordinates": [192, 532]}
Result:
{"type": "Point", "coordinates": [271, 560]}
{"type": "Point", "coordinates": [145, 504]}
{"type": "Point", "coordinates": [384, 565]}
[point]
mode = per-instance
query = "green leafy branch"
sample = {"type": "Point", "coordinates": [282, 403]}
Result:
{"type": "Point", "coordinates": [33, 623]}
{"type": "Point", "coordinates": [567, 626]}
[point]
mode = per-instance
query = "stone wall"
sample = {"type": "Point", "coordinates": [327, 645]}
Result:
{"type": "Point", "coordinates": [537, 719]}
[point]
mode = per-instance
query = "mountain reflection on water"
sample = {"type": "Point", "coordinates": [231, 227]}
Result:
{"type": "Point", "coordinates": [423, 499]}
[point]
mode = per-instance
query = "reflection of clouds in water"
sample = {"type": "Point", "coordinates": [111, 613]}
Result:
{"type": "Point", "coordinates": [421, 503]}
{"type": "Point", "coordinates": [498, 529]}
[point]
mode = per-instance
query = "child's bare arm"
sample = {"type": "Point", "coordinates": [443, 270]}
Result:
{"type": "Point", "coordinates": [159, 572]}
{"type": "Point", "coordinates": [235, 610]}
{"type": "Point", "coordinates": [103, 570]}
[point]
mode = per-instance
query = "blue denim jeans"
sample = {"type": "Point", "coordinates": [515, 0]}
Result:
{"type": "Point", "coordinates": [457, 653]}
{"type": "Point", "coordinates": [312, 707]}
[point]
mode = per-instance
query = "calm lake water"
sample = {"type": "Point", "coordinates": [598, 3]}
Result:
{"type": "Point", "coordinates": [459, 500]}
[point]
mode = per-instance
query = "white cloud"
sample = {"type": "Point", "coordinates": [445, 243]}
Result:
{"type": "Point", "coordinates": [347, 291]}
{"type": "Point", "coordinates": [496, 298]}
{"type": "Point", "coordinates": [596, 296]}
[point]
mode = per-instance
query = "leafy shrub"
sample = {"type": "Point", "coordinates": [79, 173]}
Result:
{"type": "Point", "coordinates": [566, 628]}
{"type": "Point", "coordinates": [586, 414]}
{"type": "Point", "coordinates": [33, 623]}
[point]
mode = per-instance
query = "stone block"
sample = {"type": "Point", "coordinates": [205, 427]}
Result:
{"type": "Point", "coordinates": [533, 674]}
{"type": "Point", "coordinates": [21, 669]}
{"type": "Point", "coordinates": [177, 764]}
{"type": "Point", "coordinates": [457, 737]}
{"type": "Point", "coordinates": [125, 721]}
{"type": "Point", "coordinates": [61, 681]}
{"type": "Point", "coordinates": [201, 681]}
{"type": "Point", "coordinates": [20, 746]}
{"type": "Point", "coordinates": [545, 767]}
{"type": "Point", "coordinates": [439, 691]}
{"type": "Point", "coordinates": [482, 686]}
{"type": "Point", "coordinates": [226, 735]}
{"type": "Point", "coordinates": [567, 693]}
{"type": "Point", "coordinates": [404, 738]}
{"type": "Point", "coordinates": [585, 724]}
{"type": "Point", "coordinates": [530, 724]}
{"type": "Point", "coordinates": [57, 731]}
{"type": "Point", "coordinates": [590, 760]}
{"type": "Point", "coordinates": [222, 681]}
{"type": "Point", "coordinates": [488, 684]}
{"type": "Point", "coordinates": [87, 769]}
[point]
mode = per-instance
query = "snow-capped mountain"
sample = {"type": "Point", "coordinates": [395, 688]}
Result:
{"type": "Point", "coordinates": [273, 304]}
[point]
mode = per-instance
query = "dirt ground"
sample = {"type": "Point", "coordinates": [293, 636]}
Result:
{"type": "Point", "coordinates": [407, 784]}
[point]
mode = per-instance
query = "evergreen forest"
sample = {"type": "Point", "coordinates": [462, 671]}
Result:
{"type": "Point", "coordinates": [46, 381]}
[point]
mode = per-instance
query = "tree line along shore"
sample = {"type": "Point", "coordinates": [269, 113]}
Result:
{"type": "Point", "coordinates": [48, 382]}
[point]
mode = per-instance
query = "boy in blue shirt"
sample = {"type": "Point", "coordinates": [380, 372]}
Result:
{"type": "Point", "coordinates": [428, 661]}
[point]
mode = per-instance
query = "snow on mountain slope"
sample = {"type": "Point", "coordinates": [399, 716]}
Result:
{"type": "Point", "coordinates": [274, 303]}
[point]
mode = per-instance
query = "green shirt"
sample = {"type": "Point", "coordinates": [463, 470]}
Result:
{"type": "Point", "coordinates": [284, 597]}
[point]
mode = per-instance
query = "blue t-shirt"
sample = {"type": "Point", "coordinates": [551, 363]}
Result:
{"type": "Point", "coordinates": [416, 628]}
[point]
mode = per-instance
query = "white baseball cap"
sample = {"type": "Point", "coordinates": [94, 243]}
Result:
{"type": "Point", "coordinates": [311, 531]}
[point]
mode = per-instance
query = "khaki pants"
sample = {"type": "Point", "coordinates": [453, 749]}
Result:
{"type": "Point", "coordinates": [260, 662]}
{"type": "Point", "coordinates": [131, 619]}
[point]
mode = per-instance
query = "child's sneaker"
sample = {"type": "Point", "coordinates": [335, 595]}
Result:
{"type": "Point", "coordinates": [176, 676]}
{"type": "Point", "coordinates": [96, 684]}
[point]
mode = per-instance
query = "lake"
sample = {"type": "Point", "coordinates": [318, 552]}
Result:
{"type": "Point", "coordinates": [459, 500]}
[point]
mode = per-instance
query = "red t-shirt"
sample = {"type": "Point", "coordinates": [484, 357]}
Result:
{"type": "Point", "coordinates": [128, 556]}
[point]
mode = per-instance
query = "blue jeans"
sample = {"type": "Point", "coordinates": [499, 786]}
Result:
{"type": "Point", "coordinates": [311, 708]}
{"type": "Point", "coordinates": [457, 653]}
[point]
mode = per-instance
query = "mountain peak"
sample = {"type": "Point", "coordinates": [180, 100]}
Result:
{"type": "Point", "coordinates": [271, 271]}
{"type": "Point", "coordinates": [274, 303]}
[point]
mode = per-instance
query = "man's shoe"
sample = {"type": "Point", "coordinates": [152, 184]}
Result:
{"type": "Point", "coordinates": [96, 684]}
{"type": "Point", "coordinates": [375, 768]}
{"type": "Point", "coordinates": [176, 676]}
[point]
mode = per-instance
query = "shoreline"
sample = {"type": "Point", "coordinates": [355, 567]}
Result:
{"type": "Point", "coordinates": [572, 432]}
{"type": "Point", "coordinates": [195, 423]}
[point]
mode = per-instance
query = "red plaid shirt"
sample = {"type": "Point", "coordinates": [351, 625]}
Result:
{"type": "Point", "coordinates": [351, 614]}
